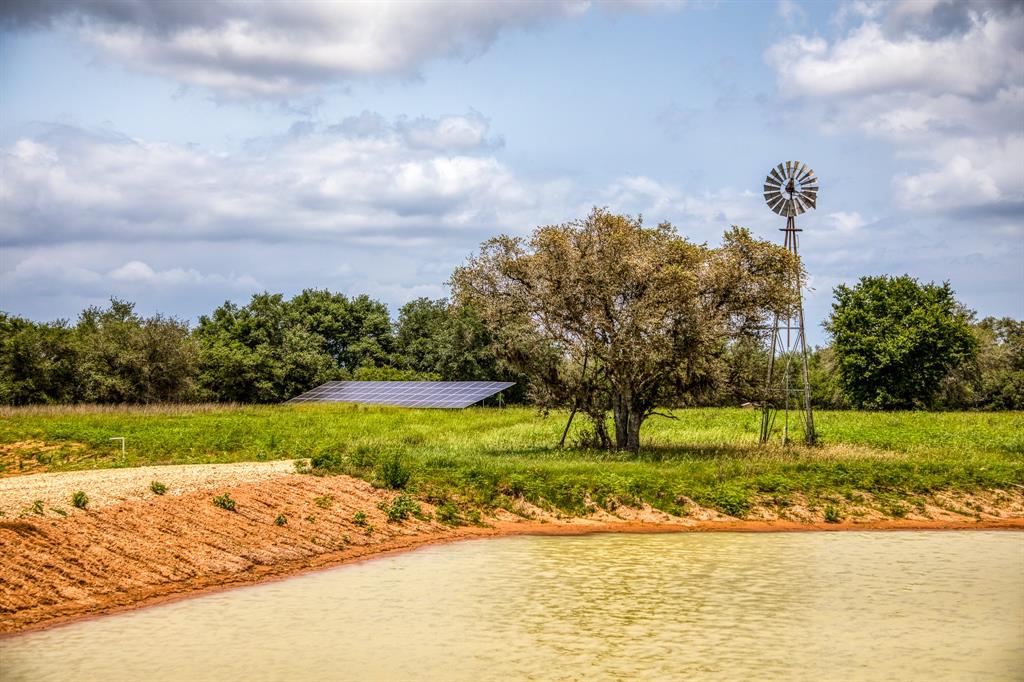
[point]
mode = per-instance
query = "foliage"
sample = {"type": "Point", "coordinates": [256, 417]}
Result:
{"type": "Point", "coordinates": [393, 473]}
{"type": "Point", "coordinates": [832, 514]}
{"type": "Point", "coordinates": [895, 340]}
{"type": "Point", "coordinates": [262, 352]}
{"type": "Point", "coordinates": [158, 488]}
{"type": "Point", "coordinates": [80, 500]}
{"type": "Point", "coordinates": [281, 520]}
{"type": "Point", "coordinates": [324, 501]}
{"type": "Point", "coordinates": [994, 379]}
{"type": "Point", "coordinates": [604, 314]}
{"type": "Point", "coordinates": [400, 509]}
{"type": "Point", "coordinates": [224, 502]}
{"type": "Point", "coordinates": [359, 518]}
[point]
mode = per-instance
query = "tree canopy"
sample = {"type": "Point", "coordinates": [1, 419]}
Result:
{"type": "Point", "coordinates": [607, 315]}
{"type": "Point", "coordinates": [895, 340]}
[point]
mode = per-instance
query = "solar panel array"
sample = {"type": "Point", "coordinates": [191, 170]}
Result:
{"type": "Point", "coordinates": [450, 394]}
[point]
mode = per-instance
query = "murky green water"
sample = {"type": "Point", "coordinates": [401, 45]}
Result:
{"type": "Point", "coordinates": [811, 606]}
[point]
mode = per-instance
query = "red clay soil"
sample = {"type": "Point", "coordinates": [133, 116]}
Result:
{"type": "Point", "coordinates": [136, 553]}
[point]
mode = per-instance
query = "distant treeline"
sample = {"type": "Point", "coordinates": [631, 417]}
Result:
{"type": "Point", "coordinates": [273, 349]}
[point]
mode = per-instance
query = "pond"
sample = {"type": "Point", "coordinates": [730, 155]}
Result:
{"type": "Point", "coordinates": [844, 605]}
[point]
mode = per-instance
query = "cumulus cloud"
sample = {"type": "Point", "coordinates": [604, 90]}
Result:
{"type": "Point", "coordinates": [363, 180]}
{"type": "Point", "coordinates": [282, 49]}
{"type": "Point", "coordinates": [943, 82]}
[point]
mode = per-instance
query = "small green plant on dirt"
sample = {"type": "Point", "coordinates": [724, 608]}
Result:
{"type": "Point", "coordinates": [368, 530]}
{"type": "Point", "coordinates": [832, 514]}
{"type": "Point", "coordinates": [224, 502]}
{"type": "Point", "coordinates": [448, 514]}
{"type": "Point", "coordinates": [393, 473]}
{"type": "Point", "coordinates": [311, 519]}
{"type": "Point", "coordinates": [400, 508]}
{"type": "Point", "coordinates": [58, 511]}
{"type": "Point", "coordinates": [36, 508]}
{"type": "Point", "coordinates": [359, 518]}
{"type": "Point", "coordinates": [280, 520]}
{"type": "Point", "coordinates": [158, 488]}
{"type": "Point", "coordinates": [324, 502]}
{"type": "Point", "coordinates": [897, 510]}
{"type": "Point", "coordinates": [346, 540]}
{"type": "Point", "coordinates": [80, 500]}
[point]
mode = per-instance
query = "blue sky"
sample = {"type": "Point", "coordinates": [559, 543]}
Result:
{"type": "Point", "coordinates": [179, 154]}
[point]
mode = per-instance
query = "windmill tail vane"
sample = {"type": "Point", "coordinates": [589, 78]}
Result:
{"type": "Point", "coordinates": [790, 189]}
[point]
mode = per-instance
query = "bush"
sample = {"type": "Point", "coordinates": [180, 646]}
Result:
{"type": "Point", "coordinates": [158, 488]}
{"type": "Point", "coordinates": [80, 500]}
{"type": "Point", "coordinates": [280, 520]}
{"type": "Point", "coordinates": [448, 514]}
{"type": "Point", "coordinates": [330, 461]}
{"type": "Point", "coordinates": [400, 509]}
{"type": "Point", "coordinates": [832, 514]}
{"type": "Point", "coordinates": [324, 502]}
{"type": "Point", "coordinates": [393, 473]}
{"type": "Point", "coordinates": [359, 518]}
{"type": "Point", "coordinates": [224, 502]}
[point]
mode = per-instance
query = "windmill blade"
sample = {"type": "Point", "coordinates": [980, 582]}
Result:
{"type": "Point", "coordinates": [799, 169]}
{"type": "Point", "coordinates": [775, 203]}
{"type": "Point", "coordinates": [772, 193]}
{"type": "Point", "coordinates": [770, 188]}
{"type": "Point", "coordinates": [808, 175]}
{"type": "Point", "coordinates": [801, 204]}
{"type": "Point", "coordinates": [769, 198]}
{"type": "Point", "coordinates": [809, 188]}
{"type": "Point", "coordinates": [789, 169]}
{"type": "Point", "coordinates": [774, 175]}
{"type": "Point", "coordinates": [782, 170]}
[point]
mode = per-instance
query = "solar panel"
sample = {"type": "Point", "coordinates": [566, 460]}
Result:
{"type": "Point", "coordinates": [448, 394]}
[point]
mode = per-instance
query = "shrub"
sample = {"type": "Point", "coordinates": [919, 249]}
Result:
{"type": "Point", "coordinates": [324, 502]}
{"type": "Point", "coordinates": [327, 462]}
{"type": "Point", "coordinates": [448, 514]}
{"type": "Point", "coordinates": [280, 520]}
{"type": "Point", "coordinates": [224, 502]}
{"type": "Point", "coordinates": [400, 509]}
{"type": "Point", "coordinates": [832, 514]}
{"type": "Point", "coordinates": [393, 473]}
{"type": "Point", "coordinates": [158, 488]}
{"type": "Point", "coordinates": [359, 518]}
{"type": "Point", "coordinates": [80, 500]}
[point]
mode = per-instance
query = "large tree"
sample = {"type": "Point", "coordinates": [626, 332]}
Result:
{"type": "Point", "coordinates": [896, 339]}
{"type": "Point", "coordinates": [607, 315]}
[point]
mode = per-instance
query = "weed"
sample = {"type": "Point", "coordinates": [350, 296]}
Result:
{"type": "Point", "coordinates": [158, 488]}
{"type": "Point", "coordinates": [311, 519]}
{"type": "Point", "coordinates": [400, 508]}
{"type": "Point", "coordinates": [448, 514]}
{"type": "Point", "coordinates": [393, 473]}
{"type": "Point", "coordinates": [224, 502]}
{"type": "Point", "coordinates": [346, 540]}
{"type": "Point", "coordinates": [324, 502]}
{"type": "Point", "coordinates": [36, 508]}
{"type": "Point", "coordinates": [80, 500]}
{"type": "Point", "coordinates": [368, 530]}
{"type": "Point", "coordinates": [832, 514]}
{"type": "Point", "coordinates": [58, 511]}
{"type": "Point", "coordinates": [281, 520]}
{"type": "Point", "coordinates": [359, 518]}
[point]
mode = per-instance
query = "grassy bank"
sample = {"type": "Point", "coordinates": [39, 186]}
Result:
{"type": "Point", "coordinates": [472, 460]}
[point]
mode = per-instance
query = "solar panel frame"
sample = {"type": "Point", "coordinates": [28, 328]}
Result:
{"type": "Point", "coordinates": [428, 394]}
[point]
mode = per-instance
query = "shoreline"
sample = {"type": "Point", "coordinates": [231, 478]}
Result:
{"type": "Point", "coordinates": [205, 585]}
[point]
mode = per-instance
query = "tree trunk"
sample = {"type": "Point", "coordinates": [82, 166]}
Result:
{"type": "Point", "coordinates": [627, 424]}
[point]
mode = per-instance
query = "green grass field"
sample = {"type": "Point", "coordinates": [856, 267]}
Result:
{"type": "Point", "coordinates": [482, 458]}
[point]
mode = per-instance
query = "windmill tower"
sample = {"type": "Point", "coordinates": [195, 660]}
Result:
{"type": "Point", "coordinates": [790, 189]}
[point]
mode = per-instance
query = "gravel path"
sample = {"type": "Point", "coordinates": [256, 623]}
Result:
{"type": "Point", "coordinates": [105, 487]}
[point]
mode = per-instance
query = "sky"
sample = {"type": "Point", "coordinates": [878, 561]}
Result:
{"type": "Point", "coordinates": [180, 154]}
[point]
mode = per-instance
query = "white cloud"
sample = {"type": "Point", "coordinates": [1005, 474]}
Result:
{"type": "Point", "coordinates": [409, 182]}
{"type": "Point", "coordinates": [274, 49]}
{"type": "Point", "coordinates": [847, 223]}
{"type": "Point", "coordinates": [943, 82]}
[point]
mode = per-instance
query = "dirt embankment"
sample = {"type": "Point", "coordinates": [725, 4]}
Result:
{"type": "Point", "coordinates": [130, 547]}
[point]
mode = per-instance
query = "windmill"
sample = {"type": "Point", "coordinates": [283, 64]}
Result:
{"type": "Point", "coordinates": [790, 189]}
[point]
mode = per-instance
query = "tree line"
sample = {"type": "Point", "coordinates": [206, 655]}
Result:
{"type": "Point", "coordinates": [602, 316]}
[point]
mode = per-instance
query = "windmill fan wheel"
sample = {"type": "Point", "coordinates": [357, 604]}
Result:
{"type": "Point", "coordinates": [791, 188]}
